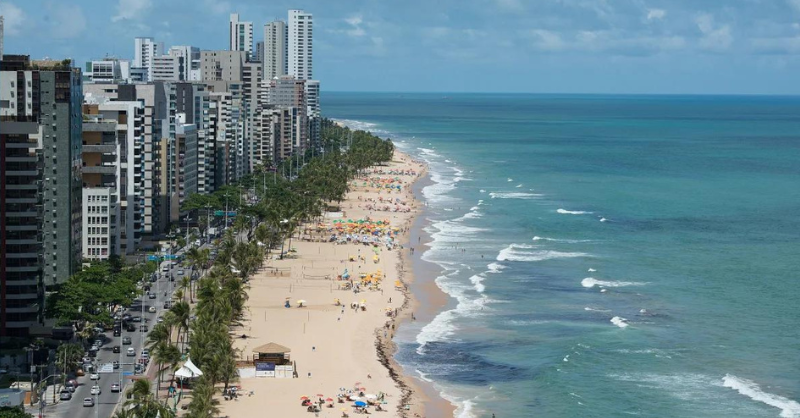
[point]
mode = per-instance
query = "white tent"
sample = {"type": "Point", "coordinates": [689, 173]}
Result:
{"type": "Point", "coordinates": [188, 370]}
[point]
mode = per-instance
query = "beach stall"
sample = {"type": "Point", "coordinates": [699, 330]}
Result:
{"type": "Point", "coordinates": [272, 360]}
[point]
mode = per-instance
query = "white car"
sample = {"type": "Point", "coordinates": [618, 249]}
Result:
{"type": "Point", "coordinates": [95, 390]}
{"type": "Point", "coordinates": [115, 387]}
{"type": "Point", "coordinates": [151, 309]}
{"type": "Point", "coordinates": [94, 376]}
{"type": "Point", "coordinates": [88, 402]}
{"type": "Point", "coordinates": [131, 352]}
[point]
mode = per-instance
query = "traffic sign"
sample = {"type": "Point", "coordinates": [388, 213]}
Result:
{"type": "Point", "coordinates": [106, 368]}
{"type": "Point", "coordinates": [127, 373]}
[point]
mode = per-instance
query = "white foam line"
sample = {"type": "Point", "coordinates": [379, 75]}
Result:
{"type": "Point", "coordinates": [788, 407]}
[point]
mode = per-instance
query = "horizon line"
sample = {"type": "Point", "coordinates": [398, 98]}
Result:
{"type": "Point", "coordinates": [564, 93]}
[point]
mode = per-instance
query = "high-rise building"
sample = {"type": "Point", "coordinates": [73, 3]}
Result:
{"type": "Point", "coordinates": [40, 187]}
{"type": "Point", "coordinates": [168, 68]}
{"type": "Point", "coordinates": [145, 50]}
{"type": "Point", "coordinates": [241, 35]}
{"type": "Point", "coordinates": [108, 70]}
{"type": "Point", "coordinates": [259, 52]}
{"type": "Point", "coordinates": [192, 100]}
{"type": "Point", "coordinates": [191, 61]}
{"type": "Point", "coordinates": [155, 131]}
{"type": "Point", "coordinates": [300, 40]}
{"type": "Point", "coordinates": [285, 92]}
{"type": "Point", "coordinates": [274, 62]}
{"type": "Point", "coordinates": [1, 37]}
{"type": "Point", "coordinates": [313, 112]}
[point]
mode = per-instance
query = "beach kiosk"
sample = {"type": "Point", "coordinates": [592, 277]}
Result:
{"type": "Point", "coordinates": [273, 360]}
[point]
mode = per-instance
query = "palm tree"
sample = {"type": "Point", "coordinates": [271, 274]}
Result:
{"type": "Point", "coordinates": [179, 316]}
{"type": "Point", "coordinates": [157, 340]}
{"type": "Point", "coordinates": [143, 404]}
{"type": "Point", "coordinates": [165, 354]}
{"type": "Point", "coordinates": [203, 404]}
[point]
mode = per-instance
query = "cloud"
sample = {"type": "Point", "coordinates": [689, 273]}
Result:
{"type": "Point", "coordinates": [67, 21]}
{"type": "Point", "coordinates": [510, 5]}
{"type": "Point", "coordinates": [13, 18]}
{"type": "Point", "coordinates": [216, 7]}
{"type": "Point", "coordinates": [656, 14]}
{"type": "Point", "coordinates": [776, 46]}
{"type": "Point", "coordinates": [355, 26]}
{"type": "Point", "coordinates": [546, 40]}
{"type": "Point", "coordinates": [131, 9]}
{"type": "Point", "coordinates": [794, 4]}
{"type": "Point", "coordinates": [715, 38]}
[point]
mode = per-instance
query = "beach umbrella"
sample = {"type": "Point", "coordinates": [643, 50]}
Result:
{"type": "Point", "coordinates": [304, 398]}
{"type": "Point", "coordinates": [359, 403]}
{"type": "Point", "coordinates": [301, 301]}
{"type": "Point", "coordinates": [329, 400]}
{"type": "Point", "coordinates": [320, 395]}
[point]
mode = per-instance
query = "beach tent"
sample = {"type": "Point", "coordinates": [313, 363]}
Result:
{"type": "Point", "coordinates": [188, 370]}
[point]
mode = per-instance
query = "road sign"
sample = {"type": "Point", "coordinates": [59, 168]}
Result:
{"type": "Point", "coordinates": [106, 368]}
{"type": "Point", "coordinates": [127, 373]}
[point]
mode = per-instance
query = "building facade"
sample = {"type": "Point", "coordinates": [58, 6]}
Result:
{"type": "Point", "coordinates": [40, 187]}
{"type": "Point", "coordinates": [274, 62]}
{"type": "Point", "coordinates": [145, 50]}
{"type": "Point", "coordinates": [240, 35]}
{"type": "Point", "coordinates": [300, 44]}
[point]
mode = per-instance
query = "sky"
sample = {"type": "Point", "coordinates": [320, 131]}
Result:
{"type": "Point", "coordinates": [532, 46]}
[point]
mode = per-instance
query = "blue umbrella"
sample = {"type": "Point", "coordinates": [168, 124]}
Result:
{"type": "Point", "coordinates": [359, 403]}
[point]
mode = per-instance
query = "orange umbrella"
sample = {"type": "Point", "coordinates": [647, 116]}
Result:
{"type": "Point", "coordinates": [304, 398]}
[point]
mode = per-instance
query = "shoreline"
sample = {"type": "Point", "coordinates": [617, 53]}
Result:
{"type": "Point", "coordinates": [332, 346]}
{"type": "Point", "coordinates": [424, 392]}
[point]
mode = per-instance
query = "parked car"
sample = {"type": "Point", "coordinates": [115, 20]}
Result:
{"type": "Point", "coordinates": [88, 402]}
{"type": "Point", "coordinates": [151, 309]}
{"type": "Point", "coordinates": [95, 390]}
{"type": "Point", "coordinates": [115, 387]}
{"type": "Point", "coordinates": [130, 328]}
{"type": "Point", "coordinates": [127, 317]}
{"type": "Point", "coordinates": [71, 385]}
{"type": "Point", "coordinates": [137, 319]}
{"type": "Point", "coordinates": [65, 395]}
{"type": "Point", "coordinates": [146, 354]}
{"type": "Point", "coordinates": [131, 352]}
{"type": "Point", "coordinates": [126, 340]}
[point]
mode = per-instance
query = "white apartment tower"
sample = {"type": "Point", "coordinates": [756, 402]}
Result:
{"type": "Point", "coordinates": [145, 50]}
{"type": "Point", "coordinates": [274, 61]}
{"type": "Point", "coordinates": [300, 51]}
{"type": "Point", "coordinates": [241, 35]}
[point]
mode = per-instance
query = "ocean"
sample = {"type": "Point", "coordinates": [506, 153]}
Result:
{"type": "Point", "coordinates": [606, 255]}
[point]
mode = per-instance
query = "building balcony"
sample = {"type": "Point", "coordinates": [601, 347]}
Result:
{"type": "Point", "coordinates": [32, 308]}
{"type": "Point", "coordinates": [11, 173]}
{"type": "Point", "coordinates": [21, 187]}
{"type": "Point", "coordinates": [22, 296]}
{"type": "Point", "coordinates": [30, 241]}
{"type": "Point", "coordinates": [99, 126]}
{"type": "Point", "coordinates": [22, 269]}
{"type": "Point", "coordinates": [22, 255]}
{"type": "Point", "coordinates": [100, 170]}
{"type": "Point", "coordinates": [21, 324]}
{"type": "Point", "coordinates": [25, 214]}
{"type": "Point", "coordinates": [22, 228]}
{"type": "Point", "coordinates": [102, 148]}
{"type": "Point", "coordinates": [25, 200]}
{"type": "Point", "coordinates": [22, 159]}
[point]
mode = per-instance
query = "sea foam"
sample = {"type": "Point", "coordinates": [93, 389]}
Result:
{"type": "Point", "coordinates": [620, 322]}
{"type": "Point", "coordinates": [572, 212]}
{"type": "Point", "coordinates": [592, 282]}
{"type": "Point", "coordinates": [524, 252]}
{"type": "Point", "coordinates": [514, 195]}
{"type": "Point", "coordinates": [788, 407]}
{"type": "Point", "coordinates": [567, 241]}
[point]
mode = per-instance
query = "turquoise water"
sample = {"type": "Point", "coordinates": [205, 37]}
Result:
{"type": "Point", "coordinates": [606, 255]}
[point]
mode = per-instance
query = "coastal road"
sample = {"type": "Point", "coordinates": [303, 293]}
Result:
{"type": "Point", "coordinates": [107, 400]}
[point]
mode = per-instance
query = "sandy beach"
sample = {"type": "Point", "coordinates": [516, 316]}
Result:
{"type": "Point", "coordinates": [338, 349]}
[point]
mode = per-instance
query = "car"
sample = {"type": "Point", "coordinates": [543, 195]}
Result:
{"type": "Point", "coordinates": [115, 364]}
{"type": "Point", "coordinates": [117, 331]}
{"type": "Point", "coordinates": [131, 352]}
{"type": "Point", "coordinates": [88, 402]}
{"type": "Point", "coordinates": [87, 360]}
{"type": "Point", "coordinates": [126, 340]}
{"type": "Point", "coordinates": [95, 390]}
{"type": "Point", "coordinates": [143, 328]}
{"type": "Point", "coordinates": [151, 309]}
{"type": "Point", "coordinates": [80, 372]}
{"type": "Point", "coordinates": [115, 387]}
{"type": "Point", "coordinates": [160, 319]}
{"type": "Point", "coordinates": [165, 268]}
{"type": "Point", "coordinates": [137, 319]}
{"type": "Point", "coordinates": [93, 348]}
{"type": "Point", "coordinates": [65, 395]}
{"type": "Point", "coordinates": [98, 342]}
{"type": "Point", "coordinates": [92, 353]}
{"type": "Point", "coordinates": [152, 296]}
{"type": "Point", "coordinates": [115, 349]}
{"type": "Point", "coordinates": [130, 328]}
{"type": "Point", "coordinates": [138, 368]}
{"type": "Point", "coordinates": [94, 376]}
{"type": "Point", "coordinates": [70, 386]}
{"type": "Point", "coordinates": [167, 304]}
{"type": "Point", "coordinates": [127, 317]}
{"type": "Point", "coordinates": [180, 272]}
{"type": "Point", "coordinates": [146, 354]}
